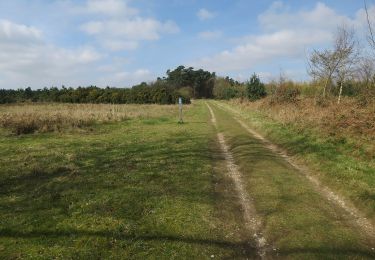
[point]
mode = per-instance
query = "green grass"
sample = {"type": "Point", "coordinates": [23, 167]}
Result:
{"type": "Point", "coordinates": [150, 188]}
{"type": "Point", "coordinates": [297, 221]}
{"type": "Point", "coordinates": [143, 188]}
{"type": "Point", "coordinates": [341, 165]}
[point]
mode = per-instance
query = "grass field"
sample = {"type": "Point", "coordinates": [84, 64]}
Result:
{"type": "Point", "coordinates": [145, 187]}
{"type": "Point", "coordinates": [141, 188]}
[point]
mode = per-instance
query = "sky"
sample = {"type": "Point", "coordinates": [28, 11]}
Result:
{"type": "Point", "coordinates": [120, 43]}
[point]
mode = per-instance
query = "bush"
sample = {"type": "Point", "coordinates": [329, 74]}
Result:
{"type": "Point", "coordinates": [309, 89]}
{"type": "Point", "coordinates": [185, 92]}
{"type": "Point", "coordinates": [349, 88]}
{"type": "Point", "coordinates": [366, 95]}
{"type": "Point", "coordinates": [285, 92]}
{"type": "Point", "coordinates": [255, 89]}
{"type": "Point", "coordinates": [227, 88]}
{"type": "Point", "coordinates": [25, 127]}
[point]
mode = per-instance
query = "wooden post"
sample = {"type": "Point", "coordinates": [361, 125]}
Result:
{"type": "Point", "coordinates": [181, 121]}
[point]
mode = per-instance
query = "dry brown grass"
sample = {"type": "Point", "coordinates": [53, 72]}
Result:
{"type": "Point", "coordinates": [30, 118]}
{"type": "Point", "coordinates": [347, 121]}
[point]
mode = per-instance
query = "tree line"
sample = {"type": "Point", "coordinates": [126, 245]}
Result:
{"type": "Point", "coordinates": [180, 82]}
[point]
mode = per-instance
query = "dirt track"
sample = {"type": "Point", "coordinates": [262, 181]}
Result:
{"type": "Point", "coordinates": [254, 221]}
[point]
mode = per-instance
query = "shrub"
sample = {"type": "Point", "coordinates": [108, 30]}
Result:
{"type": "Point", "coordinates": [309, 89]}
{"type": "Point", "coordinates": [25, 127]}
{"type": "Point", "coordinates": [349, 88]}
{"type": "Point", "coordinates": [185, 92]}
{"type": "Point", "coordinates": [227, 88]}
{"type": "Point", "coordinates": [285, 92]}
{"type": "Point", "coordinates": [322, 101]}
{"type": "Point", "coordinates": [367, 95]}
{"type": "Point", "coordinates": [255, 89]}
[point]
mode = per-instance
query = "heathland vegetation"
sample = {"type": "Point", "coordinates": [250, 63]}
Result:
{"type": "Point", "coordinates": [55, 117]}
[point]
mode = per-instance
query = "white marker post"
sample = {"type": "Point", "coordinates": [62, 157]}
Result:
{"type": "Point", "coordinates": [180, 109]}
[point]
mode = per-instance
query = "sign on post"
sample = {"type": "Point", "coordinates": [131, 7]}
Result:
{"type": "Point", "coordinates": [180, 109]}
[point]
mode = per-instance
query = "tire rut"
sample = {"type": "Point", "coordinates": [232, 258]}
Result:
{"type": "Point", "coordinates": [252, 221]}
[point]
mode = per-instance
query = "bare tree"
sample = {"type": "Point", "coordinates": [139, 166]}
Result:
{"type": "Point", "coordinates": [337, 62]}
{"type": "Point", "coordinates": [371, 36]}
{"type": "Point", "coordinates": [366, 71]}
{"type": "Point", "coordinates": [322, 66]}
{"type": "Point", "coordinates": [346, 53]}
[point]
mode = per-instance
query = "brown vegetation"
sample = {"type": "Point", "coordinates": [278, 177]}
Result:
{"type": "Point", "coordinates": [30, 118]}
{"type": "Point", "coordinates": [348, 121]}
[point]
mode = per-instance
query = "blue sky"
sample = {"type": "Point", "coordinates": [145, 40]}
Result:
{"type": "Point", "coordinates": [123, 42]}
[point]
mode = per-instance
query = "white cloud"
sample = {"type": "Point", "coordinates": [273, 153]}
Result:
{"type": "Point", "coordinates": [114, 73]}
{"type": "Point", "coordinates": [126, 78]}
{"type": "Point", "coordinates": [17, 32]}
{"type": "Point", "coordinates": [125, 31]}
{"type": "Point", "coordinates": [139, 74]}
{"type": "Point", "coordinates": [27, 46]}
{"type": "Point", "coordinates": [210, 35]}
{"type": "Point", "coordinates": [261, 49]}
{"type": "Point", "coordinates": [134, 29]}
{"type": "Point", "coordinates": [26, 59]}
{"type": "Point", "coordinates": [119, 45]}
{"type": "Point", "coordinates": [107, 7]}
{"type": "Point", "coordinates": [204, 14]}
{"type": "Point", "coordinates": [278, 17]}
{"type": "Point", "coordinates": [286, 35]}
{"type": "Point", "coordinates": [30, 61]}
